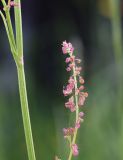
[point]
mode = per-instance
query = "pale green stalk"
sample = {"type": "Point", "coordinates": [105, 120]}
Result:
{"type": "Point", "coordinates": [25, 112]}
{"type": "Point", "coordinates": [22, 83]}
{"type": "Point", "coordinates": [17, 51]}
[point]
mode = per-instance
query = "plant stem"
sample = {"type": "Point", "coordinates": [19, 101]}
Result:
{"type": "Point", "coordinates": [18, 26]}
{"type": "Point", "coordinates": [22, 82]}
{"type": "Point", "coordinates": [25, 112]}
{"type": "Point", "coordinates": [17, 51]}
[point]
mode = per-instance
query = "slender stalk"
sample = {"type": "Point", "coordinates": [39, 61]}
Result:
{"type": "Point", "coordinates": [17, 51]}
{"type": "Point", "coordinates": [22, 82]}
{"type": "Point", "coordinates": [25, 112]}
{"type": "Point", "coordinates": [18, 26]}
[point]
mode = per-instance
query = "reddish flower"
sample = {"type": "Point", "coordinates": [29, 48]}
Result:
{"type": "Point", "coordinates": [75, 87]}
{"type": "Point", "coordinates": [67, 48]}
{"type": "Point", "coordinates": [70, 104]}
{"type": "Point", "coordinates": [82, 97]}
{"type": "Point", "coordinates": [81, 100]}
{"type": "Point", "coordinates": [68, 131]}
{"type": "Point", "coordinates": [81, 88]}
{"type": "Point", "coordinates": [81, 114]}
{"type": "Point", "coordinates": [68, 59]}
{"type": "Point", "coordinates": [75, 150]}
{"type": "Point", "coordinates": [68, 89]}
{"type": "Point", "coordinates": [78, 69]}
{"type": "Point", "coordinates": [71, 80]}
{"type": "Point", "coordinates": [81, 80]}
{"type": "Point", "coordinates": [68, 69]}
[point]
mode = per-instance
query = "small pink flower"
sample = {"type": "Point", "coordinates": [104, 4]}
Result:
{"type": "Point", "coordinates": [81, 80]}
{"type": "Point", "coordinates": [81, 114]}
{"type": "Point", "coordinates": [67, 48]}
{"type": "Point", "coordinates": [69, 88]}
{"type": "Point", "coordinates": [81, 88]}
{"type": "Point", "coordinates": [75, 150]}
{"type": "Point", "coordinates": [77, 125]}
{"type": "Point", "coordinates": [81, 100]}
{"type": "Point", "coordinates": [68, 69]}
{"type": "Point", "coordinates": [82, 96]}
{"type": "Point", "coordinates": [70, 104]}
{"type": "Point", "coordinates": [71, 80]}
{"type": "Point", "coordinates": [85, 94]}
{"type": "Point", "coordinates": [67, 92]}
{"type": "Point", "coordinates": [68, 131]}
{"type": "Point", "coordinates": [78, 69]}
{"type": "Point", "coordinates": [71, 65]}
{"type": "Point", "coordinates": [68, 59]}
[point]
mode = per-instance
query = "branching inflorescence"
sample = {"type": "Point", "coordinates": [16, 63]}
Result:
{"type": "Point", "coordinates": [74, 90]}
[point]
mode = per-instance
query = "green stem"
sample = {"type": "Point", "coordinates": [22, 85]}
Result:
{"type": "Point", "coordinates": [22, 83]}
{"type": "Point", "coordinates": [25, 112]}
{"type": "Point", "coordinates": [17, 51]}
{"type": "Point", "coordinates": [18, 26]}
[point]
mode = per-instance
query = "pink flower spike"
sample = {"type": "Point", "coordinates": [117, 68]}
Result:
{"type": "Point", "coordinates": [75, 150]}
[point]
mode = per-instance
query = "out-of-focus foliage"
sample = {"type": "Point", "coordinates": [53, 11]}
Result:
{"type": "Point", "coordinates": [95, 29]}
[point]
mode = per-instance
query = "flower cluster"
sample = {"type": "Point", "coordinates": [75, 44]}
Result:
{"type": "Point", "coordinates": [74, 89]}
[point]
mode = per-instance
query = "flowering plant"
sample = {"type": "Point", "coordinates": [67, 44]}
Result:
{"type": "Point", "coordinates": [77, 96]}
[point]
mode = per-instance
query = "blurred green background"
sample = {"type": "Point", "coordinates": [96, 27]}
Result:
{"type": "Point", "coordinates": [94, 27]}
